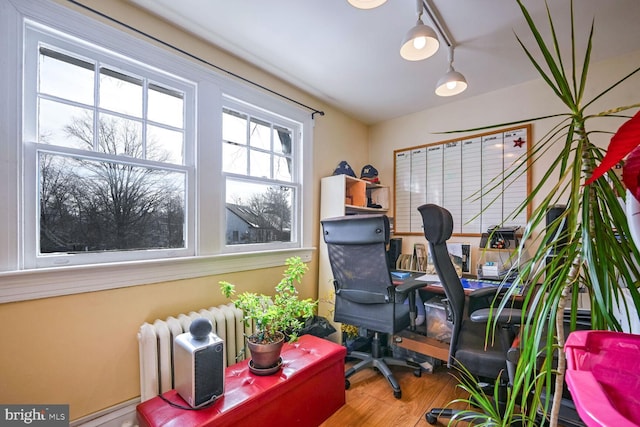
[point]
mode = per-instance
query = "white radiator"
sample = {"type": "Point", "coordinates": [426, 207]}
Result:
{"type": "Point", "coordinates": [156, 345]}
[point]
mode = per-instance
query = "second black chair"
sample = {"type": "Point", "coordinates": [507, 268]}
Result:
{"type": "Point", "coordinates": [486, 361]}
{"type": "Point", "coordinates": [364, 292]}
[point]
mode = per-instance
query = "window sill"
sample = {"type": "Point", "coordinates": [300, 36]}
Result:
{"type": "Point", "coordinates": [50, 282]}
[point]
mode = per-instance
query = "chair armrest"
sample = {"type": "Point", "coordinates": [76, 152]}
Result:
{"type": "Point", "coordinates": [511, 316]}
{"type": "Point", "coordinates": [410, 285]}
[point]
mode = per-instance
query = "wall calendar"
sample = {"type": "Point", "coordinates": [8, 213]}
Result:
{"type": "Point", "coordinates": [476, 178]}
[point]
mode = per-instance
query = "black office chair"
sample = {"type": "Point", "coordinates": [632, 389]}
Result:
{"type": "Point", "coordinates": [364, 292]}
{"type": "Point", "coordinates": [486, 361]}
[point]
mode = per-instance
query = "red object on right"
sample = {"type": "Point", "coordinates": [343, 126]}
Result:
{"type": "Point", "coordinates": [603, 375]}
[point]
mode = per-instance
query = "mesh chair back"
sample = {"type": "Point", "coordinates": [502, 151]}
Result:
{"type": "Point", "coordinates": [365, 294]}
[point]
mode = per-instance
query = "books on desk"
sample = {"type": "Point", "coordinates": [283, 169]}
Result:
{"type": "Point", "coordinates": [483, 283]}
{"type": "Point", "coordinates": [400, 274]}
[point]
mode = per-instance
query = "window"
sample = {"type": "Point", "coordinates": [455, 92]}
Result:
{"type": "Point", "coordinates": [108, 153]}
{"type": "Point", "coordinates": [261, 180]}
{"type": "Point", "coordinates": [127, 152]}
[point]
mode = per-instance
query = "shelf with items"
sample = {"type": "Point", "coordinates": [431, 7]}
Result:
{"type": "Point", "coordinates": [364, 196]}
{"type": "Point", "coordinates": [498, 252]}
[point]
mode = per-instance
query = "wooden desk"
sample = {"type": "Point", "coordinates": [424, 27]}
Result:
{"type": "Point", "coordinates": [422, 344]}
{"type": "Point", "coordinates": [306, 391]}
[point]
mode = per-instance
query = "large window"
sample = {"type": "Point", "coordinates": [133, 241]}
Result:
{"type": "Point", "coordinates": [124, 199]}
{"type": "Point", "coordinates": [122, 151]}
{"type": "Point", "coordinates": [108, 147]}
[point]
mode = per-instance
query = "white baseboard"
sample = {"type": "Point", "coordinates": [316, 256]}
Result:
{"type": "Point", "coordinates": [121, 415]}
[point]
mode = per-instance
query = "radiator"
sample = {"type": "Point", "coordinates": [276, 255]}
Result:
{"type": "Point", "coordinates": [156, 345]}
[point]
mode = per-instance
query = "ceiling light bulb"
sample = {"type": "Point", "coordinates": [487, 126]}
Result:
{"type": "Point", "coordinates": [366, 4]}
{"type": "Point", "coordinates": [451, 85]}
{"type": "Point", "coordinates": [419, 42]}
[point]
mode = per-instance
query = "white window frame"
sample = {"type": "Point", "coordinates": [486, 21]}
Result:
{"type": "Point", "coordinates": [36, 34]}
{"type": "Point", "coordinates": [296, 182]}
{"type": "Point", "coordinates": [21, 281]}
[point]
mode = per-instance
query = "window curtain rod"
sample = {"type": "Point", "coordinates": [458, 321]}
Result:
{"type": "Point", "coordinates": [314, 111]}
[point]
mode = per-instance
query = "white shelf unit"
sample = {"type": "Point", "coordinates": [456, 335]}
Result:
{"type": "Point", "coordinates": [343, 195]}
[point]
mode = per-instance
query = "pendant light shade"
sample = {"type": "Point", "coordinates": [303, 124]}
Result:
{"type": "Point", "coordinates": [453, 82]}
{"type": "Point", "coordinates": [420, 42]}
{"type": "Point", "coordinates": [366, 4]}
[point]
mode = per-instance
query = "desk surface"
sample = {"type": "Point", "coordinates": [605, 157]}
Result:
{"type": "Point", "coordinates": [432, 283]}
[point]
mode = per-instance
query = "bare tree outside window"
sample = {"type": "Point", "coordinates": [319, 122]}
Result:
{"type": "Point", "coordinates": [109, 186]}
{"type": "Point", "coordinates": [93, 205]}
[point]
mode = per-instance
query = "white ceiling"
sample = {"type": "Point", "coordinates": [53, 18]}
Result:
{"type": "Point", "coordinates": [350, 57]}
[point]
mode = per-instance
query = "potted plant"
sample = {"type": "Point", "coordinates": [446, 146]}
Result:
{"type": "Point", "coordinates": [597, 255]}
{"type": "Point", "coordinates": [275, 318]}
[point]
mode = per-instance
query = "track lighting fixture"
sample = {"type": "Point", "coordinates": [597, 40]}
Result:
{"type": "Point", "coordinates": [422, 41]}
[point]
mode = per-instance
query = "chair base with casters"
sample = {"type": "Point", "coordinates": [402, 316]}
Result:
{"type": "Point", "coordinates": [376, 360]}
{"type": "Point", "coordinates": [471, 333]}
{"type": "Point", "coordinates": [438, 413]}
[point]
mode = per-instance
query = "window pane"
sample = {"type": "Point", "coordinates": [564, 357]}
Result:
{"type": "Point", "coordinates": [282, 168]}
{"type": "Point", "coordinates": [120, 136]}
{"type": "Point", "coordinates": [260, 134]}
{"type": "Point", "coordinates": [258, 213]}
{"type": "Point", "coordinates": [260, 164]}
{"type": "Point", "coordinates": [235, 159]}
{"type": "Point", "coordinates": [94, 206]}
{"type": "Point", "coordinates": [234, 127]}
{"type": "Point", "coordinates": [120, 93]}
{"type": "Point", "coordinates": [164, 145]}
{"type": "Point", "coordinates": [166, 106]}
{"type": "Point", "coordinates": [282, 143]}
{"type": "Point", "coordinates": [65, 125]}
{"type": "Point", "coordinates": [65, 77]}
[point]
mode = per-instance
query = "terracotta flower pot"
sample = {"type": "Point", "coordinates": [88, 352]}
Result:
{"type": "Point", "coordinates": [265, 358]}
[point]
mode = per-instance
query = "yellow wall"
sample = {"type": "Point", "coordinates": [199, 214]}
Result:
{"type": "Point", "coordinates": [82, 349]}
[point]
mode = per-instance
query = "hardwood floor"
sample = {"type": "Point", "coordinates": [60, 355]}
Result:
{"type": "Point", "coordinates": [370, 401]}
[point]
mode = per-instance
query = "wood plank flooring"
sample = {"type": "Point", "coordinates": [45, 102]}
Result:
{"type": "Point", "coordinates": [370, 401]}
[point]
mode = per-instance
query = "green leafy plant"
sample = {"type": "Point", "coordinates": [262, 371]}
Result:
{"type": "Point", "coordinates": [598, 258]}
{"type": "Point", "coordinates": [284, 313]}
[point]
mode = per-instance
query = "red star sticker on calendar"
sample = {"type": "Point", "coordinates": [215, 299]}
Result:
{"type": "Point", "coordinates": [518, 142]}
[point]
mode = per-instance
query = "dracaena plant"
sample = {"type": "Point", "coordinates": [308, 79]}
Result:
{"type": "Point", "coordinates": [283, 313]}
{"type": "Point", "coordinates": [598, 255]}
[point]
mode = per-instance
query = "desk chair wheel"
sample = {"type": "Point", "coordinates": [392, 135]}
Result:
{"type": "Point", "coordinates": [397, 394]}
{"type": "Point", "coordinates": [417, 373]}
{"type": "Point", "coordinates": [431, 419]}
{"type": "Point", "coordinates": [347, 384]}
